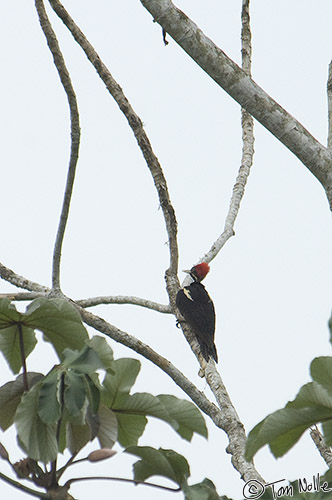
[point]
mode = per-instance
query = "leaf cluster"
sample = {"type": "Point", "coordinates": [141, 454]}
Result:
{"type": "Point", "coordinates": [59, 322]}
{"type": "Point", "coordinates": [313, 404]}
{"type": "Point", "coordinates": [87, 395]}
{"type": "Point", "coordinates": [70, 406]}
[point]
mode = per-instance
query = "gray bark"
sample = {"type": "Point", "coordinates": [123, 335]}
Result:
{"type": "Point", "coordinates": [242, 88]}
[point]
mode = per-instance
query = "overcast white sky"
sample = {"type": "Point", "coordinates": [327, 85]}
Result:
{"type": "Point", "coordinates": [271, 284]}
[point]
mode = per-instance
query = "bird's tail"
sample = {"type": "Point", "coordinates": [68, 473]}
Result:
{"type": "Point", "coordinates": [209, 351]}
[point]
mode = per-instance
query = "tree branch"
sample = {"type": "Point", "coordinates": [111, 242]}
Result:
{"type": "Point", "coordinates": [125, 299]}
{"type": "Point", "coordinates": [247, 470]}
{"type": "Point", "coordinates": [75, 135]}
{"type": "Point", "coordinates": [324, 450]}
{"type": "Point", "coordinates": [22, 487]}
{"type": "Point", "coordinates": [172, 282]}
{"type": "Point", "coordinates": [135, 124]}
{"type": "Point", "coordinates": [244, 90]}
{"type": "Point", "coordinates": [13, 278]}
{"type": "Point", "coordinates": [21, 282]}
{"type": "Point", "coordinates": [228, 421]}
{"type": "Point", "coordinates": [144, 350]}
{"type": "Point", "coordinates": [123, 480]}
{"type": "Point", "coordinates": [232, 424]}
{"type": "Point", "coordinates": [247, 124]}
{"type": "Point", "coordinates": [225, 418]}
{"type": "Point", "coordinates": [21, 296]}
{"type": "Point", "coordinates": [136, 345]}
{"type": "Point", "coordinates": [329, 107]}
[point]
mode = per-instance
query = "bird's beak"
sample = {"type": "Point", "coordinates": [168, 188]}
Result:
{"type": "Point", "coordinates": [188, 271]}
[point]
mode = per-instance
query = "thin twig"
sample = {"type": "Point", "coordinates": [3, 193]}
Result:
{"type": "Point", "coordinates": [95, 301]}
{"type": "Point", "coordinates": [22, 296]}
{"type": "Point", "coordinates": [24, 488]}
{"type": "Point", "coordinates": [329, 107]}
{"type": "Point", "coordinates": [247, 144]}
{"type": "Point", "coordinates": [125, 299]}
{"type": "Point", "coordinates": [324, 450]}
{"type": "Point", "coordinates": [21, 282]}
{"type": "Point", "coordinates": [67, 464]}
{"type": "Point", "coordinates": [75, 135]}
{"type": "Point", "coordinates": [122, 479]}
{"type": "Point", "coordinates": [136, 125]}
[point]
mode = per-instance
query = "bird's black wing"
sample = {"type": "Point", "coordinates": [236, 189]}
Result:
{"type": "Point", "coordinates": [197, 308]}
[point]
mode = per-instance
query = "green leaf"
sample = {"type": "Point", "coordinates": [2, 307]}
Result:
{"type": "Point", "coordinates": [187, 416]}
{"type": "Point", "coordinates": [11, 395]}
{"type": "Point", "coordinates": [108, 427]}
{"type": "Point", "coordinates": [10, 345]}
{"type": "Point", "coordinates": [59, 321]}
{"type": "Point", "coordinates": [327, 476]}
{"type": "Point", "coordinates": [205, 490]}
{"type": "Point", "coordinates": [49, 408]}
{"type": "Point", "coordinates": [92, 393]}
{"type": "Point", "coordinates": [8, 314]}
{"type": "Point", "coordinates": [130, 428]}
{"type": "Point", "coordinates": [93, 421]}
{"type": "Point", "coordinates": [283, 428]}
{"type": "Point", "coordinates": [84, 361]}
{"type": "Point", "coordinates": [166, 463]}
{"type": "Point", "coordinates": [327, 431]}
{"type": "Point", "coordinates": [141, 403]}
{"type": "Point", "coordinates": [312, 395]}
{"type": "Point", "coordinates": [321, 371]}
{"type": "Point", "coordinates": [75, 392]}
{"type": "Point", "coordinates": [104, 351]}
{"type": "Point", "coordinates": [77, 436]}
{"type": "Point", "coordinates": [125, 374]}
{"type": "Point", "coordinates": [182, 415]}
{"type": "Point", "coordinates": [330, 328]}
{"type": "Point", "coordinates": [37, 438]}
{"type": "Point", "coordinates": [75, 432]}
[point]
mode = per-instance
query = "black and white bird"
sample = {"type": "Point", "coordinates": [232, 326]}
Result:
{"type": "Point", "coordinates": [196, 306]}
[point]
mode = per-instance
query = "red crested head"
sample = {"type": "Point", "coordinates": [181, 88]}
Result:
{"type": "Point", "coordinates": [199, 271]}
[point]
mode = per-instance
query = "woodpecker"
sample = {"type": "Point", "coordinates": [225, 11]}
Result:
{"type": "Point", "coordinates": [196, 306]}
